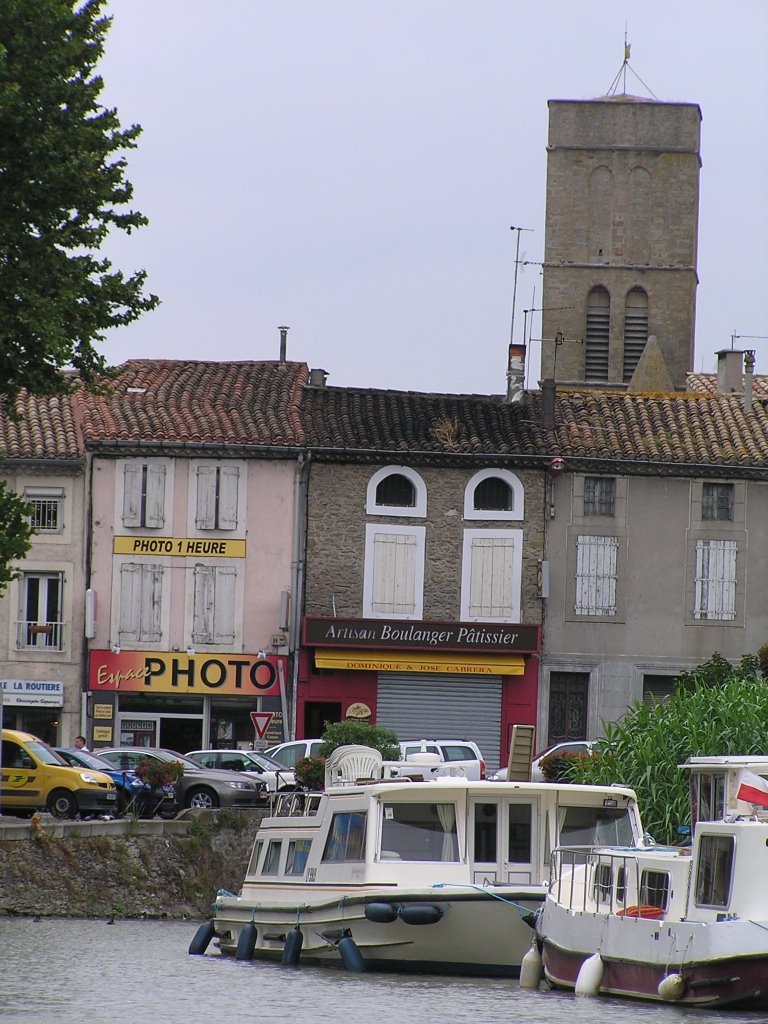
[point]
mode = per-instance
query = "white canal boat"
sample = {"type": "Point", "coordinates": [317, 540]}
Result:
{"type": "Point", "coordinates": [687, 926]}
{"type": "Point", "coordinates": [401, 875]}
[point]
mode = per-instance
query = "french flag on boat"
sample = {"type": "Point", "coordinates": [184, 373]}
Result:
{"type": "Point", "coordinates": [753, 789]}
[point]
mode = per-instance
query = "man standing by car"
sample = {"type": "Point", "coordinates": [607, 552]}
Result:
{"type": "Point", "coordinates": [81, 744]}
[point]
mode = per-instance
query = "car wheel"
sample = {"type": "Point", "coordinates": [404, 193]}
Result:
{"type": "Point", "coordinates": [62, 804]}
{"type": "Point", "coordinates": [287, 789]}
{"type": "Point", "coordinates": [202, 799]}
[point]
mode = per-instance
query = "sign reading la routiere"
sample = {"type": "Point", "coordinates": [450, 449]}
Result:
{"type": "Point", "coordinates": [181, 547]}
{"type": "Point", "coordinates": [188, 674]}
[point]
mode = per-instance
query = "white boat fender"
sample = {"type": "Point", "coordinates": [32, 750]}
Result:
{"type": "Point", "coordinates": [202, 938]}
{"type": "Point", "coordinates": [531, 967]}
{"type": "Point", "coordinates": [380, 913]}
{"type": "Point", "coordinates": [292, 948]}
{"type": "Point", "coordinates": [246, 943]}
{"type": "Point", "coordinates": [672, 987]}
{"type": "Point", "coordinates": [590, 976]}
{"type": "Point", "coordinates": [351, 956]}
{"type": "Point", "coordinates": [420, 913]}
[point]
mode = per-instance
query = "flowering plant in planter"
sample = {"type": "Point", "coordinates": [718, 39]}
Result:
{"type": "Point", "coordinates": [310, 772]}
{"type": "Point", "coordinates": [159, 773]}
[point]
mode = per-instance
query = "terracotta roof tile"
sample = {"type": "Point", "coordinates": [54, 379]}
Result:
{"type": "Point", "coordinates": [47, 429]}
{"type": "Point", "coordinates": [251, 403]}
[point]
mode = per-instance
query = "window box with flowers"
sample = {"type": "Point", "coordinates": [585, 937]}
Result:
{"type": "Point", "coordinates": [159, 773]}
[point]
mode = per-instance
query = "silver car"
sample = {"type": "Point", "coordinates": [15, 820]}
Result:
{"type": "Point", "coordinates": [251, 762]}
{"type": "Point", "coordinates": [198, 787]}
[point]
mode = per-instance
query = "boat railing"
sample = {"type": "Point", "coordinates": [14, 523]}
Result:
{"type": "Point", "coordinates": [296, 804]}
{"type": "Point", "coordinates": [595, 879]}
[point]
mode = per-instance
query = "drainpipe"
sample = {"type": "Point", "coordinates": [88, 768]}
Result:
{"type": "Point", "coordinates": [297, 585]}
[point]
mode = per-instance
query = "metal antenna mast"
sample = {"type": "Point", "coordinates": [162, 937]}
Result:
{"type": "Point", "coordinates": [514, 286]}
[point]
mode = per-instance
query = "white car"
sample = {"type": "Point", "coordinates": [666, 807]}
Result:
{"type": "Point", "coordinates": [456, 754]}
{"type": "Point", "coordinates": [291, 751]}
{"type": "Point", "coordinates": [251, 762]}
{"type": "Point", "coordinates": [566, 747]}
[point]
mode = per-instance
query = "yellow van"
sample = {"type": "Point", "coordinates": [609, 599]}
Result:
{"type": "Point", "coordinates": [35, 778]}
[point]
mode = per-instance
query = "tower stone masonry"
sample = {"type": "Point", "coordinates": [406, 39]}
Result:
{"type": "Point", "coordinates": [621, 238]}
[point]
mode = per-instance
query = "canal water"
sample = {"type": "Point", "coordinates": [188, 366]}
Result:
{"type": "Point", "coordinates": [139, 972]}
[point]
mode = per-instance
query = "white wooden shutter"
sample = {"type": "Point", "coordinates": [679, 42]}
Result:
{"type": "Point", "coordinates": [596, 559]}
{"type": "Point", "coordinates": [715, 585]}
{"type": "Point", "coordinates": [155, 501]}
{"type": "Point", "coordinates": [130, 602]}
{"type": "Point", "coordinates": [228, 480]}
{"type": "Point", "coordinates": [394, 574]}
{"type": "Point", "coordinates": [132, 479]}
{"type": "Point", "coordinates": [491, 594]}
{"type": "Point", "coordinates": [205, 518]}
{"type": "Point", "coordinates": [204, 598]}
{"type": "Point", "coordinates": [151, 600]}
{"type": "Point", "coordinates": [224, 605]}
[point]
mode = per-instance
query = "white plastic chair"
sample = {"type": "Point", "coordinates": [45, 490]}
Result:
{"type": "Point", "coordinates": [352, 762]}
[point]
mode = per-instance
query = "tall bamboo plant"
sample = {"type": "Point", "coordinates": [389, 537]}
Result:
{"type": "Point", "coordinates": [716, 709]}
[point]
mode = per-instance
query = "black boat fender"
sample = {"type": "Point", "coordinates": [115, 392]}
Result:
{"type": "Point", "coordinates": [246, 942]}
{"type": "Point", "coordinates": [380, 913]}
{"type": "Point", "coordinates": [351, 956]}
{"type": "Point", "coordinates": [292, 948]}
{"type": "Point", "coordinates": [202, 938]}
{"type": "Point", "coordinates": [420, 913]}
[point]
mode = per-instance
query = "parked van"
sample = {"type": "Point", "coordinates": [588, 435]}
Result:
{"type": "Point", "coordinates": [457, 756]}
{"type": "Point", "coordinates": [36, 778]}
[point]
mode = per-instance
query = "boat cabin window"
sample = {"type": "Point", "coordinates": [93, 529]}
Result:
{"type": "Point", "coordinates": [296, 861]}
{"type": "Point", "coordinates": [595, 826]}
{"type": "Point", "coordinates": [346, 838]}
{"type": "Point", "coordinates": [713, 876]}
{"type": "Point", "coordinates": [654, 889]}
{"type": "Point", "coordinates": [272, 858]}
{"type": "Point", "coordinates": [603, 883]}
{"type": "Point", "coordinates": [708, 796]}
{"type": "Point", "coordinates": [519, 833]}
{"type": "Point", "coordinates": [258, 847]}
{"type": "Point", "coordinates": [411, 831]}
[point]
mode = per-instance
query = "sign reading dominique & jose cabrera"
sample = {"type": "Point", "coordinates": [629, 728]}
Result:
{"type": "Point", "coordinates": [244, 675]}
{"type": "Point", "coordinates": [407, 634]}
{"type": "Point", "coordinates": [181, 547]}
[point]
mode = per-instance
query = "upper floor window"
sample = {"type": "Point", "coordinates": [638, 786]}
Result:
{"type": "Point", "coordinates": [596, 574]}
{"type": "Point", "coordinates": [715, 583]}
{"type": "Point", "coordinates": [494, 494]}
{"type": "Point", "coordinates": [599, 495]}
{"type": "Point", "coordinates": [144, 495]}
{"type": "Point", "coordinates": [46, 514]}
{"type": "Point", "coordinates": [40, 611]}
{"type": "Point", "coordinates": [596, 341]}
{"type": "Point", "coordinates": [717, 502]}
{"type": "Point", "coordinates": [393, 583]}
{"type": "Point", "coordinates": [141, 588]}
{"type": "Point", "coordinates": [214, 604]}
{"type": "Point", "coordinates": [635, 330]}
{"type": "Point", "coordinates": [217, 497]}
{"type": "Point", "coordinates": [396, 491]}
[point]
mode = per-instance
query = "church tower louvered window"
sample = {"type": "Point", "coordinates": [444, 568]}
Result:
{"type": "Point", "coordinates": [597, 336]}
{"type": "Point", "coordinates": [635, 330]}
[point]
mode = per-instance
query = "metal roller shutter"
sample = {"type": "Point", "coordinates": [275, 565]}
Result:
{"type": "Point", "coordinates": [426, 706]}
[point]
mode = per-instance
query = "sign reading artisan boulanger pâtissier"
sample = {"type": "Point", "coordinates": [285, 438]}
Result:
{"type": "Point", "coordinates": [181, 547]}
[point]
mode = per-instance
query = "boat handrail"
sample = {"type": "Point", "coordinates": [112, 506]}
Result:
{"type": "Point", "coordinates": [574, 881]}
{"type": "Point", "coordinates": [296, 803]}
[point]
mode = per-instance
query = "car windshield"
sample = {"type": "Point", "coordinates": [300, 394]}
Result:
{"type": "Point", "coordinates": [45, 753]}
{"type": "Point", "coordinates": [172, 755]}
{"type": "Point", "coordinates": [84, 759]}
{"type": "Point", "coordinates": [267, 762]}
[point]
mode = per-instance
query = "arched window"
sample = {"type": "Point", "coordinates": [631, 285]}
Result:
{"type": "Point", "coordinates": [396, 491]}
{"type": "Point", "coordinates": [494, 494]}
{"type": "Point", "coordinates": [635, 330]}
{"type": "Point", "coordinates": [597, 334]}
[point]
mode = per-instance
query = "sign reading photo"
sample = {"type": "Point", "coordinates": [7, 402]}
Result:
{"type": "Point", "coordinates": [187, 674]}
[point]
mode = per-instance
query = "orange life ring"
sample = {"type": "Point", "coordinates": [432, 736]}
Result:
{"type": "Point", "coordinates": [643, 910]}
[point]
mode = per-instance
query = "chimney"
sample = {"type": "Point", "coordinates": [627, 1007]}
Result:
{"type": "Point", "coordinates": [749, 369]}
{"type": "Point", "coordinates": [283, 341]}
{"type": "Point", "coordinates": [515, 372]}
{"type": "Point", "coordinates": [317, 378]}
{"type": "Point", "coordinates": [729, 372]}
{"type": "Point", "coordinates": [548, 392]}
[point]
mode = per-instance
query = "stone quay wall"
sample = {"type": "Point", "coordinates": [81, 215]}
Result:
{"type": "Point", "coordinates": [125, 868]}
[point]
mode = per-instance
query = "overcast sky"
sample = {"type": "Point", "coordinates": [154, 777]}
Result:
{"type": "Point", "coordinates": [351, 170]}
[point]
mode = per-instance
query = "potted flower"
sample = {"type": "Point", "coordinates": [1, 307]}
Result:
{"type": "Point", "coordinates": [310, 773]}
{"type": "Point", "coordinates": [159, 773]}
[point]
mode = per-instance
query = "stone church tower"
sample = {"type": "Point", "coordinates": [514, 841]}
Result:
{"type": "Point", "coordinates": [621, 239]}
